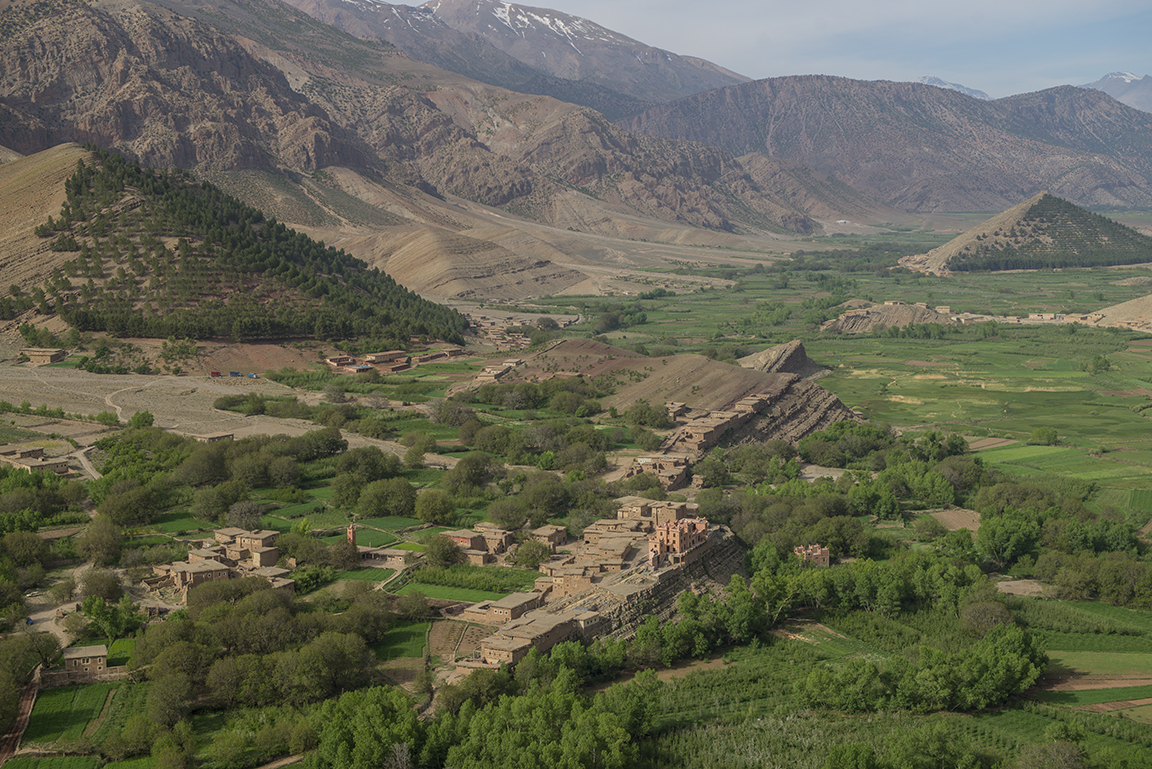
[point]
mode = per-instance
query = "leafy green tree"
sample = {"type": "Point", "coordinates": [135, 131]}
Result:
{"type": "Point", "coordinates": [530, 554]}
{"type": "Point", "coordinates": [140, 420]}
{"type": "Point", "coordinates": [391, 496]}
{"type": "Point", "coordinates": [100, 584]}
{"type": "Point", "coordinates": [442, 551]}
{"type": "Point", "coordinates": [436, 506]}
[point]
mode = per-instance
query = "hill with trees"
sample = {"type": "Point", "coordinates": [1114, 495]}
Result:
{"type": "Point", "coordinates": [157, 254]}
{"type": "Point", "coordinates": [1042, 232]}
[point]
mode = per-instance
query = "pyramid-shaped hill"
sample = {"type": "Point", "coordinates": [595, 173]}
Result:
{"type": "Point", "coordinates": [1043, 231]}
{"type": "Point", "coordinates": [91, 240]}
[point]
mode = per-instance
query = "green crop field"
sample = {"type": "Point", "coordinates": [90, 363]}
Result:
{"type": "Point", "coordinates": [1141, 713]}
{"type": "Point", "coordinates": [1094, 696]}
{"type": "Point", "coordinates": [171, 523]}
{"type": "Point", "coordinates": [449, 593]}
{"type": "Point", "coordinates": [1095, 642]}
{"type": "Point", "coordinates": [62, 714]}
{"type": "Point", "coordinates": [409, 546]}
{"type": "Point", "coordinates": [366, 575]}
{"type": "Point", "coordinates": [407, 639]}
{"type": "Point", "coordinates": [297, 511]}
{"type": "Point", "coordinates": [121, 651]}
{"type": "Point", "coordinates": [1106, 663]}
{"type": "Point", "coordinates": [130, 698]}
{"type": "Point", "coordinates": [1133, 618]}
{"type": "Point", "coordinates": [390, 523]}
{"type": "Point", "coordinates": [58, 762]}
{"type": "Point", "coordinates": [1013, 728]}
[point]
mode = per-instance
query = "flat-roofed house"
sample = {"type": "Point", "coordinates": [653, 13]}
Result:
{"type": "Point", "coordinates": [467, 540]}
{"type": "Point", "coordinates": [188, 575]}
{"type": "Point", "coordinates": [553, 536]}
{"type": "Point", "coordinates": [85, 662]}
{"type": "Point", "coordinates": [514, 606]}
{"type": "Point", "coordinates": [42, 355]}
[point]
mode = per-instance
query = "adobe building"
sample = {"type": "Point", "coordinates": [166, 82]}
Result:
{"type": "Point", "coordinates": [386, 557]}
{"type": "Point", "coordinates": [238, 553]}
{"type": "Point", "coordinates": [671, 543]}
{"type": "Point", "coordinates": [466, 539]}
{"type": "Point", "coordinates": [813, 555]}
{"type": "Point", "coordinates": [653, 513]}
{"type": "Point", "coordinates": [82, 665]}
{"type": "Point", "coordinates": [214, 437]}
{"type": "Point", "coordinates": [41, 356]}
{"type": "Point", "coordinates": [552, 536]}
{"type": "Point", "coordinates": [538, 630]}
{"type": "Point", "coordinates": [392, 356]}
{"type": "Point", "coordinates": [508, 608]}
{"type": "Point", "coordinates": [32, 458]}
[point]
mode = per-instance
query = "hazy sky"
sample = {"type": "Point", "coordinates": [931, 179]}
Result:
{"type": "Point", "coordinates": [1001, 47]}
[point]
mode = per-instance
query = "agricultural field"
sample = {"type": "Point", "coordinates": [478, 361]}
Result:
{"type": "Point", "coordinates": [449, 593]}
{"type": "Point", "coordinates": [406, 639]}
{"type": "Point", "coordinates": [63, 714]}
{"type": "Point", "coordinates": [58, 762]}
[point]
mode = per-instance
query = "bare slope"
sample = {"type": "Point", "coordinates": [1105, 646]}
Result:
{"type": "Point", "coordinates": [31, 190]}
{"type": "Point", "coordinates": [441, 263]}
{"type": "Point", "coordinates": [1135, 313]}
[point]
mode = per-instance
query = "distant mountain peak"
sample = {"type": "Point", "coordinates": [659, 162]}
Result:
{"type": "Point", "coordinates": [574, 48]}
{"type": "Point", "coordinates": [933, 80]}
{"type": "Point", "coordinates": [1133, 90]}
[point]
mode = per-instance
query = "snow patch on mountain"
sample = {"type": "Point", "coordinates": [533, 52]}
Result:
{"type": "Point", "coordinates": [975, 94]}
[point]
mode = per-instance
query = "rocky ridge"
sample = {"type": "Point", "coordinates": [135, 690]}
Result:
{"type": "Point", "coordinates": [923, 148]}
{"type": "Point", "coordinates": [787, 358]}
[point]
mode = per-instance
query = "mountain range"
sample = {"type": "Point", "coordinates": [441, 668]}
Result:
{"type": "Point", "coordinates": [923, 148]}
{"type": "Point", "coordinates": [501, 140]}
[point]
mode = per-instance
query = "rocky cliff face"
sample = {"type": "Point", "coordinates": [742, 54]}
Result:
{"type": "Point", "coordinates": [923, 148]}
{"type": "Point", "coordinates": [163, 89]}
{"type": "Point", "coordinates": [802, 408]}
{"type": "Point", "coordinates": [788, 358]}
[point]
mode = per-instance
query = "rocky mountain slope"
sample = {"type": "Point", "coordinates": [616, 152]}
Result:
{"type": "Point", "coordinates": [798, 407]}
{"type": "Point", "coordinates": [421, 34]}
{"type": "Point", "coordinates": [1043, 231]}
{"type": "Point", "coordinates": [928, 149]}
{"type": "Point", "coordinates": [1133, 90]}
{"type": "Point", "coordinates": [577, 49]}
{"type": "Point", "coordinates": [232, 86]}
